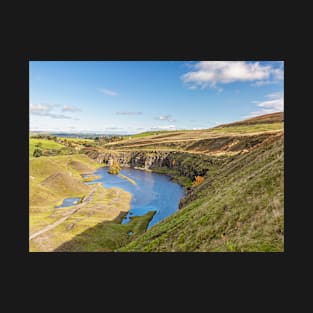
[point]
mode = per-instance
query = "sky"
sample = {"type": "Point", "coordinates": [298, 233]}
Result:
{"type": "Point", "coordinates": [125, 97]}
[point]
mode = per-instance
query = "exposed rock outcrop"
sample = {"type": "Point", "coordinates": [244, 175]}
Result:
{"type": "Point", "coordinates": [186, 164]}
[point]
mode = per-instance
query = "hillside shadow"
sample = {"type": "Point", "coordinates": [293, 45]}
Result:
{"type": "Point", "coordinates": [107, 236]}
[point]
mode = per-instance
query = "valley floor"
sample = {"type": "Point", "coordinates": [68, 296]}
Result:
{"type": "Point", "coordinates": [78, 227]}
{"type": "Point", "coordinates": [237, 204]}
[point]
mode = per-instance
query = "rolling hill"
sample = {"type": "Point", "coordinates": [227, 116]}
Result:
{"type": "Point", "coordinates": [239, 207]}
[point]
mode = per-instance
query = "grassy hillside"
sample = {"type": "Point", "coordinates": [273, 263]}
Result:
{"type": "Point", "coordinates": [77, 140]}
{"type": "Point", "coordinates": [277, 117]}
{"type": "Point", "coordinates": [95, 226]}
{"type": "Point", "coordinates": [225, 138]}
{"type": "Point", "coordinates": [43, 144]}
{"type": "Point", "coordinates": [103, 237]}
{"type": "Point", "coordinates": [148, 133]}
{"type": "Point", "coordinates": [51, 180]}
{"type": "Point", "coordinates": [238, 208]}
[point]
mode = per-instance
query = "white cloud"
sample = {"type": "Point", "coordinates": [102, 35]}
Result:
{"type": "Point", "coordinates": [167, 118]}
{"type": "Point", "coordinates": [108, 92]}
{"type": "Point", "coordinates": [70, 108]}
{"type": "Point", "coordinates": [59, 116]}
{"type": "Point", "coordinates": [39, 109]}
{"type": "Point", "coordinates": [214, 122]}
{"type": "Point", "coordinates": [274, 104]}
{"type": "Point", "coordinates": [113, 128]}
{"type": "Point", "coordinates": [210, 73]}
{"type": "Point", "coordinates": [278, 73]}
{"type": "Point", "coordinates": [273, 95]}
{"type": "Point", "coordinates": [128, 113]}
{"type": "Point", "coordinates": [164, 127]}
{"type": "Point", "coordinates": [45, 110]}
{"type": "Point", "coordinates": [265, 82]}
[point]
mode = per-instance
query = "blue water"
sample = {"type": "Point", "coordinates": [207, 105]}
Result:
{"type": "Point", "coordinates": [68, 202]}
{"type": "Point", "coordinates": [153, 192]}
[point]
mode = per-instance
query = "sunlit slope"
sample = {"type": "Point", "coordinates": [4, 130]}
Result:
{"type": "Point", "coordinates": [42, 144]}
{"type": "Point", "coordinates": [228, 138]}
{"type": "Point", "coordinates": [238, 208]}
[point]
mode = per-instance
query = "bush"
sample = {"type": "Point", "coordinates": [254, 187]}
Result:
{"type": "Point", "coordinates": [114, 168]}
{"type": "Point", "coordinates": [198, 180]}
{"type": "Point", "coordinates": [37, 153]}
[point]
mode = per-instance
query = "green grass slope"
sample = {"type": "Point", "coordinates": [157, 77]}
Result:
{"type": "Point", "coordinates": [43, 144]}
{"type": "Point", "coordinates": [277, 117]}
{"type": "Point", "coordinates": [238, 208]}
{"type": "Point", "coordinates": [225, 139]}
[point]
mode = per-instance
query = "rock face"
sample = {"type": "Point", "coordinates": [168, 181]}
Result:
{"type": "Point", "coordinates": [185, 164]}
{"type": "Point", "coordinates": [144, 160]}
{"type": "Point", "coordinates": [178, 163]}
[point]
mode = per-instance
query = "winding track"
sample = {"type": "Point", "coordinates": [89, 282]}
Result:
{"type": "Point", "coordinates": [64, 218]}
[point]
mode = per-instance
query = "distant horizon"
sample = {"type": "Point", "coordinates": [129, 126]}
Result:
{"type": "Point", "coordinates": [131, 97]}
{"type": "Point", "coordinates": [85, 132]}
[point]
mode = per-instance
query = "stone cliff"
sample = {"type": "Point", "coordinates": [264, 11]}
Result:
{"type": "Point", "coordinates": [185, 164]}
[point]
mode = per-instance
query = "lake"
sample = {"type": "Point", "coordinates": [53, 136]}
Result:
{"type": "Point", "coordinates": [68, 202]}
{"type": "Point", "coordinates": [153, 192]}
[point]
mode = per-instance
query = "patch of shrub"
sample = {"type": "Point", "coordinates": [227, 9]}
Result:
{"type": "Point", "coordinates": [37, 153]}
{"type": "Point", "coordinates": [198, 180]}
{"type": "Point", "coordinates": [114, 168]}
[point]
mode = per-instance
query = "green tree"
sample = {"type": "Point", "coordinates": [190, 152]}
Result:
{"type": "Point", "coordinates": [37, 153]}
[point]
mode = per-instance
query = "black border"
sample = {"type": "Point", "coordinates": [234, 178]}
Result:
{"type": "Point", "coordinates": [176, 44]}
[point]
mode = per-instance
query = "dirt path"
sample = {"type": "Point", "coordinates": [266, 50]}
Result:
{"type": "Point", "coordinates": [64, 218]}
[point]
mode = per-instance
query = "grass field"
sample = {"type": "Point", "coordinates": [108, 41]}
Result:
{"type": "Point", "coordinates": [107, 236]}
{"type": "Point", "coordinates": [240, 204]}
{"type": "Point", "coordinates": [250, 129]}
{"type": "Point", "coordinates": [44, 144]}
{"type": "Point", "coordinates": [51, 180]}
{"type": "Point", "coordinates": [101, 209]}
{"type": "Point", "coordinates": [239, 208]}
{"type": "Point", "coordinates": [146, 134]}
{"type": "Point", "coordinates": [222, 139]}
{"type": "Point", "coordinates": [94, 227]}
{"type": "Point", "coordinates": [77, 140]}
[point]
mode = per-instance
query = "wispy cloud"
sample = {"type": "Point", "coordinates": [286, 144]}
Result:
{"type": "Point", "coordinates": [214, 122]}
{"type": "Point", "coordinates": [59, 116]}
{"type": "Point", "coordinates": [275, 103]}
{"type": "Point", "coordinates": [108, 92]}
{"type": "Point", "coordinates": [41, 108]}
{"type": "Point", "coordinates": [113, 128]}
{"type": "Point", "coordinates": [210, 73]}
{"type": "Point", "coordinates": [264, 83]}
{"type": "Point", "coordinates": [167, 118]}
{"type": "Point", "coordinates": [274, 95]}
{"type": "Point", "coordinates": [70, 108]}
{"type": "Point", "coordinates": [164, 127]}
{"type": "Point", "coordinates": [45, 110]}
{"type": "Point", "coordinates": [128, 113]}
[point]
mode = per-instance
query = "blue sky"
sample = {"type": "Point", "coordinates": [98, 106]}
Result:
{"type": "Point", "coordinates": [135, 96]}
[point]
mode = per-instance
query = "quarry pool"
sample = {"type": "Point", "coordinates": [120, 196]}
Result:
{"type": "Point", "coordinates": [152, 192]}
{"type": "Point", "coordinates": [68, 202]}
